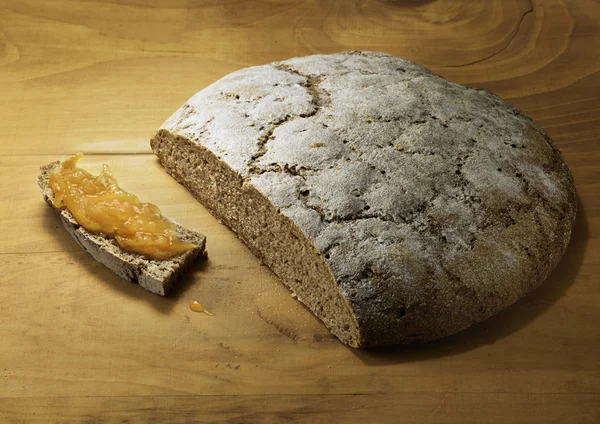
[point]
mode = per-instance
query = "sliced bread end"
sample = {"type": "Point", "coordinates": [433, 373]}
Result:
{"type": "Point", "coordinates": [157, 276]}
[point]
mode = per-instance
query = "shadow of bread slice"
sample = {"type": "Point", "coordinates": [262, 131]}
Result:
{"type": "Point", "coordinates": [399, 206]}
{"type": "Point", "coordinates": [157, 276]}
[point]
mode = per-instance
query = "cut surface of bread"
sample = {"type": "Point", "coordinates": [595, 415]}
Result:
{"type": "Point", "coordinates": [156, 276]}
{"type": "Point", "coordinates": [400, 207]}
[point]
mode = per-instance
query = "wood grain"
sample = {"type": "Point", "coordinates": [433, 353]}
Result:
{"type": "Point", "coordinates": [79, 345]}
{"type": "Point", "coordinates": [442, 408]}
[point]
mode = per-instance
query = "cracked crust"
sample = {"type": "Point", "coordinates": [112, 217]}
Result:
{"type": "Point", "coordinates": [156, 276]}
{"type": "Point", "coordinates": [431, 205]}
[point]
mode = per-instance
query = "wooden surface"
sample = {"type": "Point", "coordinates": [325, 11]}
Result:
{"type": "Point", "coordinates": [77, 344]}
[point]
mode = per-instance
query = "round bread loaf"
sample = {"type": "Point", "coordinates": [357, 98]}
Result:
{"type": "Point", "coordinates": [399, 207]}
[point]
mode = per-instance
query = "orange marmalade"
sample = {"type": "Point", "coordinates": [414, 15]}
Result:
{"type": "Point", "coordinates": [100, 206]}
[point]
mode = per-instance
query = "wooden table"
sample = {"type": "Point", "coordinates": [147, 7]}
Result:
{"type": "Point", "coordinates": [77, 344]}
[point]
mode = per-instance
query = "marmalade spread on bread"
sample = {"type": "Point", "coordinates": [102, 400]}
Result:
{"type": "Point", "coordinates": [99, 205]}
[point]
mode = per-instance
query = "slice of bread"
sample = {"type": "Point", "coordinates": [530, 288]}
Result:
{"type": "Point", "coordinates": [157, 276]}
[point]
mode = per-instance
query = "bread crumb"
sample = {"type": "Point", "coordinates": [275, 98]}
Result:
{"type": "Point", "coordinates": [399, 148]}
{"type": "Point", "coordinates": [315, 145]}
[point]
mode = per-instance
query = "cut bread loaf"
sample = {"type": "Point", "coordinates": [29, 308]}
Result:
{"type": "Point", "coordinates": [157, 276]}
{"type": "Point", "coordinates": [399, 207]}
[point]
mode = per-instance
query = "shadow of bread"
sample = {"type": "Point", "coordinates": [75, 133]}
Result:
{"type": "Point", "coordinates": [506, 322]}
{"type": "Point", "coordinates": [189, 277]}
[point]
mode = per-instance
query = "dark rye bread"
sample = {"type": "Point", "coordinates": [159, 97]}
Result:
{"type": "Point", "coordinates": [157, 276]}
{"type": "Point", "coordinates": [399, 207]}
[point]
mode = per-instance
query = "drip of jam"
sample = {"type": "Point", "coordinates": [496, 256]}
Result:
{"type": "Point", "coordinates": [197, 307]}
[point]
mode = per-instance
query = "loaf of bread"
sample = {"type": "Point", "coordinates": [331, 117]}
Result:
{"type": "Point", "coordinates": [399, 207]}
{"type": "Point", "coordinates": [157, 276]}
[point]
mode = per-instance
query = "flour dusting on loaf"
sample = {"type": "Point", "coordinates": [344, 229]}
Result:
{"type": "Point", "coordinates": [400, 206]}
